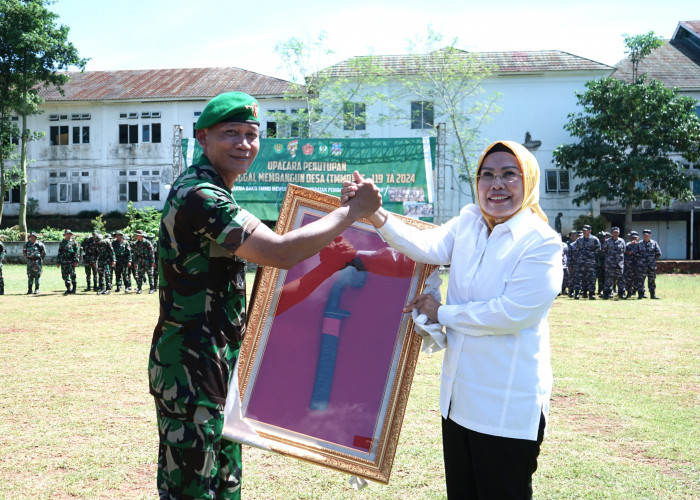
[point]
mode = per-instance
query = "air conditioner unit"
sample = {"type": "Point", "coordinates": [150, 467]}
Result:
{"type": "Point", "coordinates": [648, 205]}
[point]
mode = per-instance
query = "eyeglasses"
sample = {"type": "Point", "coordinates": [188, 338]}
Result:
{"type": "Point", "coordinates": [507, 177]}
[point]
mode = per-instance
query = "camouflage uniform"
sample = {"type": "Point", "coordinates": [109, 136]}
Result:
{"type": "Point", "coordinates": [631, 268]}
{"type": "Point", "coordinates": [647, 253]}
{"type": "Point", "coordinates": [35, 253]}
{"type": "Point", "coordinates": [2, 256]}
{"type": "Point", "coordinates": [122, 252]}
{"type": "Point", "coordinates": [614, 252]}
{"type": "Point", "coordinates": [600, 265]}
{"type": "Point", "coordinates": [68, 258]}
{"type": "Point", "coordinates": [586, 250]}
{"type": "Point", "coordinates": [88, 247]}
{"type": "Point", "coordinates": [571, 264]}
{"type": "Point", "coordinates": [143, 263]}
{"type": "Point", "coordinates": [565, 267]}
{"type": "Point", "coordinates": [105, 258]}
{"type": "Point", "coordinates": [198, 335]}
{"type": "Point", "coordinates": [156, 270]}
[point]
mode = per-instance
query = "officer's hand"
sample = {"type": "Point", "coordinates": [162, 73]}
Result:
{"type": "Point", "coordinates": [367, 198]}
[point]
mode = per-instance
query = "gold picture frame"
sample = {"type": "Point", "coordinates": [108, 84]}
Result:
{"type": "Point", "coordinates": [342, 309]}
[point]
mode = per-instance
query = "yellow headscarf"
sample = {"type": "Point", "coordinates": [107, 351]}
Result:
{"type": "Point", "coordinates": [531, 181]}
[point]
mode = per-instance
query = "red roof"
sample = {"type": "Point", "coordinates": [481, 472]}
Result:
{"type": "Point", "coordinates": [164, 84]}
{"type": "Point", "coordinates": [499, 62]}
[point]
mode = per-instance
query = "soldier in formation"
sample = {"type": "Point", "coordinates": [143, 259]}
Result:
{"type": "Point", "coordinates": [585, 249]}
{"type": "Point", "coordinates": [89, 251]}
{"type": "Point", "coordinates": [571, 261]}
{"type": "Point", "coordinates": [105, 263]}
{"type": "Point", "coordinates": [34, 251]}
{"type": "Point", "coordinates": [2, 257]}
{"type": "Point", "coordinates": [613, 251]}
{"type": "Point", "coordinates": [648, 252]}
{"type": "Point", "coordinates": [631, 264]}
{"type": "Point", "coordinates": [600, 263]}
{"type": "Point", "coordinates": [122, 253]}
{"type": "Point", "coordinates": [68, 259]}
{"type": "Point", "coordinates": [143, 261]}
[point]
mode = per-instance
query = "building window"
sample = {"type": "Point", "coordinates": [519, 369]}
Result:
{"type": "Point", "coordinates": [14, 131]}
{"type": "Point", "coordinates": [300, 126]}
{"type": "Point", "coordinates": [128, 191]}
{"type": "Point", "coordinates": [12, 195]}
{"type": "Point", "coordinates": [274, 128]}
{"type": "Point", "coordinates": [557, 181]}
{"type": "Point", "coordinates": [150, 191]}
{"type": "Point", "coordinates": [58, 135]}
{"type": "Point", "coordinates": [81, 135]}
{"type": "Point", "coordinates": [64, 188]}
{"type": "Point", "coordinates": [150, 132]}
{"type": "Point", "coordinates": [354, 116]}
{"type": "Point", "coordinates": [422, 115]}
{"type": "Point", "coordinates": [128, 134]}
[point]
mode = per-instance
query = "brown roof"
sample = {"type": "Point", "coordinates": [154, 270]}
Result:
{"type": "Point", "coordinates": [499, 62]}
{"type": "Point", "coordinates": [691, 26]}
{"type": "Point", "coordinates": [676, 63]}
{"type": "Point", "coordinates": [164, 84]}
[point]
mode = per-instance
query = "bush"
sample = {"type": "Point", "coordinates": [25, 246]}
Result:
{"type": "Point", "coordinates": [114, 214]}
{"type": "Point", "coordinates": [88, 214]}
{"type": "Point", "coordinates": [147, 219]}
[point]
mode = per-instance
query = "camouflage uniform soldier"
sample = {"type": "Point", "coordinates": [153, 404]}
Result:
{"type": "Point", "coordinates": [648, 251]}
{"type": "Point", "coordinates": [600, 263]}
{"type": "Point", "coordinates": [35, 252]}
{"type": "Point", "coordinates": [614, 252]}
{"type": "Point", "coordinates": [571, 261]}
{"type": "Point", "coordinates": [587, 247]}
{"type": "Point", "coordinates": [2, 257]}
{"type": "Point", "coordinates": [204, 238]}
{"type": "Point", "coordinates": [88, 247]}
{"type": "Point", "coordinates": [144, 262]}
{"type": "Point", "coordinates": [105, 263]}
{"type": "Point", "coordinates": [68, 259]}
{"type": "Point", "coordinates": [122, 252]}
{"type": "Point", "coordinates": [156, 269]}
{"type": "Point", "coordinates": [631, 265]}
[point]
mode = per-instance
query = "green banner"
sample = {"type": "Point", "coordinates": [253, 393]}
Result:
{"type": "Point", "coordinates": [401, 168]}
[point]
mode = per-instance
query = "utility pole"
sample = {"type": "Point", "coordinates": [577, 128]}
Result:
{"type": "Point", "coordinates": [177, 151]}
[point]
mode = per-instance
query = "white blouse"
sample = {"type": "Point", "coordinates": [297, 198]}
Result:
{"type": "Point", "coordinates": [496, 373]}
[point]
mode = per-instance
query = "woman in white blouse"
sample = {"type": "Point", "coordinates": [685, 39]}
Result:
{"type": "Point", "coordinates": [505, 272]}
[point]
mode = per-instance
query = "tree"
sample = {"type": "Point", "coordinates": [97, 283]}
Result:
{"type": "Point", "coordinates": [449, 80]}
{"type": "Point", "coordinates": [326, 94]}
{"type": "Point", "coordinates": [33, 52]}
{"type": "Point", "coordinates": [633, 140]}
{"type": "Point", "coordinates": [9, 134]}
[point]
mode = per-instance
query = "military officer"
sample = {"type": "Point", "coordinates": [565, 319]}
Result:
{"type": "Point", "coordinates": [144, 261]}
{"type": "Point", "coordinates": [35, 252]}
{"type": "Point", "coordinates": [571, 261]}
{"type": "Point", "coordinates": [105, 263]}
{"type": "Point", "coordinates": [586, 249]}
{"type": "Point", "coordinates": [68, 259]}
{"type": "Point", "coordinates": [614, 252]}
{"type": "Point", "coordinates": [122, 253]}
{"type": "Point", "coordinates": [89, 251]}
{"type": "Point", "coordinates": [648, 252]}
{"type": "Point", "coordinates": [631, 270]}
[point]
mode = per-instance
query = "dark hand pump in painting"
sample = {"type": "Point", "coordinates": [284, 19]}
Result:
{"type": "Point", "coordinates": [354, 276]}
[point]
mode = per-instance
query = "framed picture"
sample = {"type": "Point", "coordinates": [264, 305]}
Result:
{"type": "Point", "coordinates": [328, 357]}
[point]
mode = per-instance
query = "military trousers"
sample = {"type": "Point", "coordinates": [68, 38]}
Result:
{"type": "Point", "coordinates": [585, 277]}
{"type": "Point", "coordinates": [104, 271]}
{"type": "Point", "coordinates": [194, 460]}
{"type": "Point", "coordinates": [123, 273]}
{"type": "Point", "coordinates": [648, 273]}
{"type": "Point", "coordinates": [142, 271]}
{"type": "Point", "coordinates": [68, 273]}
{"type": "Point", "coordinates": [614, 275]}
{"type": "Point", "coordinates": [91, 272]}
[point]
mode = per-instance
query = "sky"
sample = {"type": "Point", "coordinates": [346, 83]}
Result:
{"type": "Point", "coordinates": [155, 34]}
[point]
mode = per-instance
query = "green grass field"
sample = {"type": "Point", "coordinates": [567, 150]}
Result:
{"type": "Point", "coordinates": [76, 419]}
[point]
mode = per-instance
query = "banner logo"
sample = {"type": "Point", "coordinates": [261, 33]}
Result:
{"type": "Point", "coordinates": [308, 149]}
{"type": "Point", "coordinates": [323, 149]}
{"type": "Point", "coordinates": [292, 147]}
{"type": "Point", "coordinates": [336, 149]}
{"type": "Point", "coordinates": [278, 148]}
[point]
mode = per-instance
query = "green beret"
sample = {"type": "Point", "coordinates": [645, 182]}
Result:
{"type": "Point", "coordinates": [229, 107]}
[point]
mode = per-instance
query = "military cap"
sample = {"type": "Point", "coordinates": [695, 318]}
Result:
{"type": "Point", "coordinates": [580, 233]}
{"type": "Point", "coordinates": [634, 233]}
{"type": "Point", "coordinates": [615, 229]}
{"type": "Point", "coordinates": [67, 231]}
{"type": "Point", "coordinates": [117, 232]}
{"type": "Point", "coordinates": [139, 232]}
{"type": "Point", "coordinates": [586, 227]}
{"type": "Point", "coordinates": [97, 235]}
{"type": "Point", "coordinates": [647, 231]}
{"type": "Point", "coordinates": [33, 234]}
{"type": "Point", "coordinates": [229, 107]}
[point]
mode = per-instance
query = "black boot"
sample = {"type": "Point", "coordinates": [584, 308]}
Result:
{"type": "Point", "coordinates": [591, 295]}
{"type": "Point", "coordinates": [73, 288]}
{"type": "Point", "coordinates": [653, 295]}
{"type": "Point", "coordinates": [2, 289]}
{"type": "Point", "coordinates": [640, 295]}
{"type": "Point", "coordinates": [576, 295]}
{"type": "Point", "coordinates": [606, 295]}
{"type": "Point", "coordinates": [88, 287]}
{"type": "Point", "coordinates": [622, 295]}
{"type": "Point", "coordinates": [67, 289]}
{"type": "Point", "coordinates": [29, 289]}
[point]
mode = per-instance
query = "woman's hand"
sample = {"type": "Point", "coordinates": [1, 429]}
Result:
{"type": "Point", "coordinates": [426, 304]}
